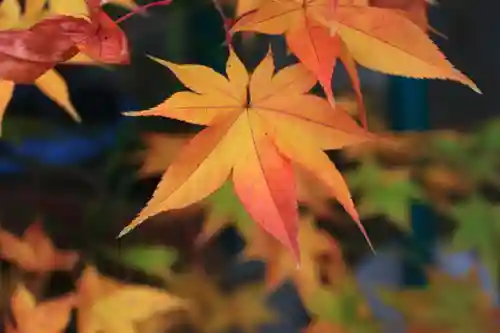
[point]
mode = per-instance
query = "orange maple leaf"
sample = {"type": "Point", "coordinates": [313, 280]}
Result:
{"type": "Point", "coordinates": [253, 123]}
{"type": "Point", "coordinates": [34, 251]}
{"type": "Point", "coordinates": [46, 317]}
{"type": "Point", "coordinates": [161, 149]}
{"type": "Point", "coordinates": [307, 37]}
{"type": "Point", "coordinates": [106, 305]}
{"type": "Point", "coordinates": [416, 10]}
{"type": "Point", "coordinates": [381, 39]}
{"type": "Point", "coordinates": [314, 244]}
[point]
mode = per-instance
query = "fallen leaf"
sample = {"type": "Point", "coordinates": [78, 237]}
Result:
{"type": "Point", "coordinates": [106, 305]}
{"type": "Point", "coordinates": [252, 124]}
{"type": "Point", "coordinates": [50, 316]}
{"type": "Point", "coordinates": [34, 251]}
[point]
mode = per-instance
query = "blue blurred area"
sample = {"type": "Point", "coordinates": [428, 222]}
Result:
{"type": "Point", "coordinates": [64, 147]}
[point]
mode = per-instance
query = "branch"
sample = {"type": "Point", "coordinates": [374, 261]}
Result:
{"type": "Point", "coordinates": [142, 9]}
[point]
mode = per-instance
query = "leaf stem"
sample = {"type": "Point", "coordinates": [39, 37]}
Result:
{"type": "Point", "coordinates": [142, 9]}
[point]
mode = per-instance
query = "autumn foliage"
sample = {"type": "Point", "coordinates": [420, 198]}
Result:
{"type": "Point", "coordinates": [262, 152]}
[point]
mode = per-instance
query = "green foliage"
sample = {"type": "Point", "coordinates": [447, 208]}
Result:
{"type": "Point", "coordinates": [478, 229]}
{"type": "Point", "coordinates": [383, 194]}
{"type": "Point", "coordinates": [153, 260]}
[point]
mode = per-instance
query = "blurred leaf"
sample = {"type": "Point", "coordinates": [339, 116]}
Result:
{"type": "Point", "coordinates": [212, 311]}
{"type": "Point", "coordinates": [34, 251]}
{"type": "Point", "coordinates": [49, 316]}
{"type": "Point", "coordinates": [106, 305]}
{"type": "Point", "coordinates": [225, 209]}
{"type": "Point", "coordinates": [340, 309]}
{"type": "Point", "coordinates": [478, 229]}
{"type": "Point", "coordinates": [384, 192]}
{"type": "Point", "coordinates": [154, 260]}
{"type": "Point", "coordinates": [488, 137]}
{"type": "Point", "coordinates": [476, 157]}
{"type": "Point", "coordinates": [452, 305]}
{"type": "Point", "coordinates": [160, 150]}
{"type": "Point", "coordinates": [315, 244]}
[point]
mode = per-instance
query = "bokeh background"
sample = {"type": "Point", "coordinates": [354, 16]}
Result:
{"type": "Point", "coordinates": [82, 179]}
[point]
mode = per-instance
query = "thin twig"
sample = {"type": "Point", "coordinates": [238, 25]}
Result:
{"type": "Point", "coordinates": [142, 9]}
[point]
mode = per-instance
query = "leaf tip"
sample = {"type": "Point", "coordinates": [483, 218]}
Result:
{"type": "Point", "coordinates": [125, 231]}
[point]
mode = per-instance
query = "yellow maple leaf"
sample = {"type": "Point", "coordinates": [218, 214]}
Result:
{"type": "Point", "coordinates": [50, 316]}
{"type": "Point", "coordinates": [106, 305]}
{"type": "Point", "coordinates": [377, 38]}
{"type": "Point", "coordinates": [34, 251]}
{"type": "Point", "coordinates": [252, 126]}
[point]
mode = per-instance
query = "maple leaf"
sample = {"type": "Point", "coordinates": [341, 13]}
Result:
{"type": "Point", "coordinates": [10, 11]}
{"type": "Point", "coordinates": [50, 316]}
{"type": "Point", "coordinates": [371, 36]}
{"type": "Point", "coordinates": [104, 305]}
{"type": "Point", "coordinates": [252, 123]}
{"type": "Point", "coordinates": [477, 230]}
{"type": "Point", "coordinates": [416, 10]}
{"type": "Point", "coordinates": [108, 44]}
{"type": "Point", "coordinates": [225, 209]}
{"type": "Point", "coordinates": [384, 192]}
{"type": "Point", "coordinates": [307, 37]}
{"type": "Point", "coordinates": [280, 265]}
{"type": "Point", "coordinates": [161, 149]}
{"type": "Point", "coordinates": [341, 308]}
{"type": "Point", "coordinates": [27, 53]}
{"type": "Point", "coordinates": [50, 83]}
{"type": "Point", "coordinates": [213, 311]}
{"type": "Point", "coordinates": [447, 304]}
{"type": "Point", "coordinates": [34, 251]}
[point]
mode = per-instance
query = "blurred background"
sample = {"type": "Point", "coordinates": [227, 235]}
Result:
{"type": "Point", "coordinates": [442, 176]}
